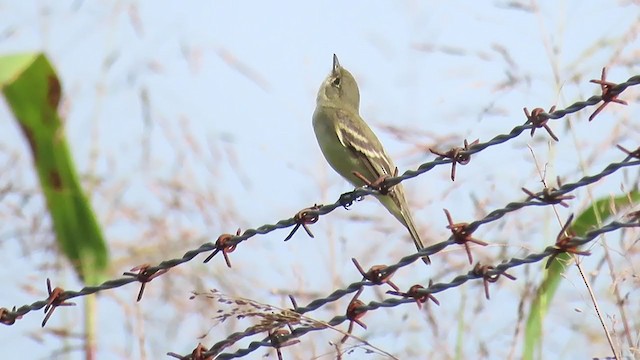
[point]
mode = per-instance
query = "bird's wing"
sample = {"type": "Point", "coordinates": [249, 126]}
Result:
{"type": "Point", "coordinates": [357, 137]}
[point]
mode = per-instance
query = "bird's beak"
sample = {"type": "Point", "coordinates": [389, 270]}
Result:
{"type": "Point", "coordinates": [336, 65]}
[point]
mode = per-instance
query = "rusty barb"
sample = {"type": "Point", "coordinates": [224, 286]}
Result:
{"type": "Point", "coordinates": [632, 154]}
{"type": "Point", "coordinates": [222, 244]}
{"type": "Point", "coordinates": [462, 235]}
{"type": "Point", "coordinates": [54, 300]}
{"type": "Point", "coordinates": [633, 216]}
{"type": "Point", "coordinates": [538, 118]}
{"type": "Point", "coordinates": [419, 293]}
{"type": "Point", "coordinates": [608, 94]}
{"type": "Point", "coordinates": [144, 275]}
{"type": "Point", "coordinates": [377, 274]}
{"type": "Point", "coordinates": [280, 338]}
{"type": "Point", "coordinates": [458, 155]}
{"type": "Point", "coordinates": [304, 218]}
{"type": "Point", "coordinates": [548, 196]}
{"type": "Point", "coordinates": [379, 184]}
{"type": "Point", "coordinates": [197, 354]}
{"type": "Point", "coordinates": [565, 244]}
{"type": "Point", "coordinates": [355, 311]}
{"type": "Point", "coordinates": [486, 272]}
{"type": "Point", "coordinates": [6, 319]}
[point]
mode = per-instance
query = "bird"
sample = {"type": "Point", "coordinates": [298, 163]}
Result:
{"type": "Point", "coordinates": [351, 148]}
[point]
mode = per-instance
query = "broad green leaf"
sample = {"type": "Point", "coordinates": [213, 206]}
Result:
{"type": "Point", "coordinates": [32, 90]}
{"type": "Point", "coordinates": [599, 212]}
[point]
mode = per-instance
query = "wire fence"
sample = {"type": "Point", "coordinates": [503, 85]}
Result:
{"type": "Point", "coordinates": [393, 302]}
{"type": "Point", "coordinates": [490, 273]}
{"type": "Point", "coordinates": [461, 234]}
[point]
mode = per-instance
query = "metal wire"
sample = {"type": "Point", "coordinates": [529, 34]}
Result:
{"type": "Point", "coordinates": [393, 302]}
{"type": "Point", "coordinates": [9, 316]}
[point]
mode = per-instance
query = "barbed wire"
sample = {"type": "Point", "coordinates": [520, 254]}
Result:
{"type": "Point", "coordinates": [147, 273]}
{"type": "Point", "coordinates": [516, 131]}
{"type": "Point", "coordinates": [393, 302]}
{"type": "Point", "coordinates": [345, 199]}
{"type": "Point", "coordinates": [491, 216]}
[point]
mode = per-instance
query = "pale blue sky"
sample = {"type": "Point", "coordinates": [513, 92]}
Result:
{"type": "Point", "coordinates": [435, 69]}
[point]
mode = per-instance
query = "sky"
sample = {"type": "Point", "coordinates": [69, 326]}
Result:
{"type": "Point", "coordinates": [190, 119]}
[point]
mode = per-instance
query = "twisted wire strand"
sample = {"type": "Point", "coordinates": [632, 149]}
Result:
{"type": "Point", "coordinates": [393, 302]}
{"type": "Point", "coordinates": [8, 316]}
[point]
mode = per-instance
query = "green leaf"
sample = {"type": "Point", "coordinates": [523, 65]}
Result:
{"type": "Point", "coordinates": [601, 210]}
{"type": "Point", "coordinates": [32, 90]}
{"type": "Point", "coordinates": [596, 214]}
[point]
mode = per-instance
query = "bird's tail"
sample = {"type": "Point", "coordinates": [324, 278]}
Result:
{"type": "Point", "coordinates": [397, 205]}
{"type": "Point", "coordinates": [408, 221]}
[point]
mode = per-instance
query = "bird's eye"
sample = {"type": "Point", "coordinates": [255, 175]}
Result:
{"type": "Point", "coordinates": [336, 82]}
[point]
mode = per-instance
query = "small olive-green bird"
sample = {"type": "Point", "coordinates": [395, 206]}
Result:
{"type": "Point", "coordinates": [350, 146]}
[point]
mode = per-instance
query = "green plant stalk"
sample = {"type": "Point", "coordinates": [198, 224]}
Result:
{"type": "Point", "coordinates": [32, 90]}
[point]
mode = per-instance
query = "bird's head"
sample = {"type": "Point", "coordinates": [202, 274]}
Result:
{"type": "Point", "coordinates": [339, 88]}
